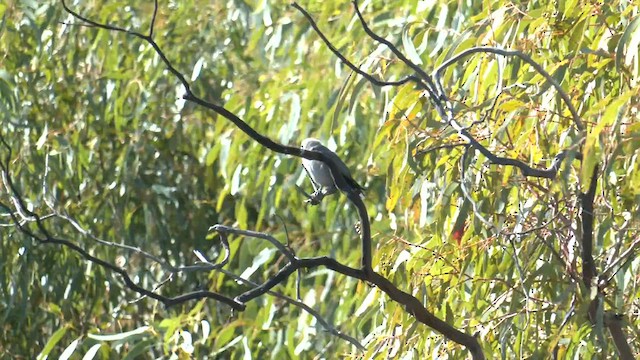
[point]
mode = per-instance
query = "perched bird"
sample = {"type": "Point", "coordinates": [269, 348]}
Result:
{"type": "Point", "coordinates": [325, 182]}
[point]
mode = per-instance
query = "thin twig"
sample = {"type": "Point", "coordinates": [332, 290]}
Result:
{"type": "Point", "coordinates": [373, 80]}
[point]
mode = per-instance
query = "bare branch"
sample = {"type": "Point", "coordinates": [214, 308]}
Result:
{"type": "Point", "coordinates": [366, 273]}
{"type": "Point", "coordinates": [223, 230]}
{"type": "Point", "coordinates": [324, 323]}
{"type": "Point", "coordinates": [330, 328]}
{"type": "Point", "coordinates": [263, 140]}
{"type": "Point", "coordinates": [448, 117]}
{"type": "Point", "coordinates": [153, 18]}
{"type": "Point", "coordinates": [372, 79]}
{"type": "Point", "coordinates": [614, 322]}
{"type": "Point", "coordinates": [413, 305]}
{"type": "Point", "coordinates": [624, 258]}
{"type": "Point", "coordinates": [47, 238]}
{"type": "Point", "coordinates": [589, 271]}
{"type": "Point", "coordinates": [526, 58]}
{"type": "Point", "coordinates": [429, 86]}
{"type": "Point", "coordinates": [147, 38]}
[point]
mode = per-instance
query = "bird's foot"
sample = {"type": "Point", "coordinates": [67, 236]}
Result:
{"type": "Point", "coordinates": [315, 198]}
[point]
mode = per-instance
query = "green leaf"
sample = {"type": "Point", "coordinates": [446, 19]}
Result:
{"type": "Point", "coordinates": [140, 348]}
{"type": "Point", "coordinates": [53, 341]}
{"type": "Point", "coordinates": [629, 42]}
{"type": "Point", "coordinates": [127, 335]}
{"type": "Point", "coordinates": [408, 46]}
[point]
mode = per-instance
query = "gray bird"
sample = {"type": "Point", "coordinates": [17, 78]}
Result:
{"type": "Point", "coordinates": [322, 178]}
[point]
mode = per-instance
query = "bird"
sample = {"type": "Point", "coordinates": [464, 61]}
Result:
{"type": "Point", "coordinates": [324, 181]}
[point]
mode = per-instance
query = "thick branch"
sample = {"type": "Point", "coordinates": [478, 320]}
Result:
{"type": "Point", "coordinates": [412, 304]}
{"type": "Point", "coordinates": [223, 230]}
{"type": "Point", "coordinates": [614, 323]}
{"type": "Point", "coordinates": [247, 129]}
{"type": "Point", "coordinates": [527, 171]}
{"type": "Point", "coordinates": [588, 265]}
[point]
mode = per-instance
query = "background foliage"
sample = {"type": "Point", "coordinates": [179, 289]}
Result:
{"type": "Point", "coordinates": [100, 135]}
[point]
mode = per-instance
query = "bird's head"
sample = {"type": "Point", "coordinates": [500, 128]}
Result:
{"type": "Point", "coordinates": [310, 143]}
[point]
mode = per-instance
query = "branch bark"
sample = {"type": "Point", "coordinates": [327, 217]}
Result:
{"type": "Point", "coordinates": [589, 271]}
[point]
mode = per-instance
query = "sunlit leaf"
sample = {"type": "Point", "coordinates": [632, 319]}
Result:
{"type": "Point", "coordinates": [52, 342]}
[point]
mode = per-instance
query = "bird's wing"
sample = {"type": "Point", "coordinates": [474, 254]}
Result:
{"type": "Point", "coordinates": [344, 170]}
{"type": "Point", "coordinates": [354, 184]}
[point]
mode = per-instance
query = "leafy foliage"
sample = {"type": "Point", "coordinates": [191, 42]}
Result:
{"type": "Point", "coordinates": [102, 137]}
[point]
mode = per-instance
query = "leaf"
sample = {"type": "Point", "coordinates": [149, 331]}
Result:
{"type": "Point", "coordinates": [592, 150]}
{"type": "Point", "coordinates": [223, 340]}
{"type": "Point", "coordinates": [43, 138]}
{"type": "Point", "coordinates": [66, 354]}
{"type": "Point", "coordinates": [342, 97]}
{"type": "Point", "coordinates": [262, 257]}
{"type": "Point", "coordinates": [89, 355]}
{"type": "Point", "coordinates": [287, 132]}
{"type": "Point", "coordinates": [613, 111]}
{"type": "Point", "coordinates": [462, 218]}
{"type": "Point", "coordinates": [409, 47]}
{"type": "Point", "coordinates": [121, 336]}
{"type": "Point", "coordinates": [442, 35]}
{"type": "Point", "coordinates": [53, 340]}
{"type": "Point", "coordinates": [140, 348]}
{"type": "Point", "coordinates": [629, 41]}
{"type": "Point", "coordinates": [197, 68]}
{"type": "Point", "coordinates": [578, 33]}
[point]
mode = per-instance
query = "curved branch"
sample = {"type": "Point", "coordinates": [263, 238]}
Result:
{"type": "Point", "coordinates": [527, 171]}
{"type": "Point", "coordinates": [412, 304]}
{"type": "Point", "coordinates": [324, 323]}
{"type": "Point", "coordinates": [526, 58]}
{"type": "Point", "coordinates": [431, 87]}
{"type": "Point", "coordinates": [167, 301]}
{"type": "Point", "coordinates": [247, 129]}
{"type": "Point", "coordinates": [437, 96]}
{"type": "Point", "coordinates": [351, 65]}
{"type": "Point", "coordinates": [223, 230]}
{"type": "Point", "coordinates": [47, 238]}
{"type": "Point", "coordinates": [147, 38]}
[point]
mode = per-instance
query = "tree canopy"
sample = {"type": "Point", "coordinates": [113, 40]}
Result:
{"type": "Point", "coordinates": [152, 200]}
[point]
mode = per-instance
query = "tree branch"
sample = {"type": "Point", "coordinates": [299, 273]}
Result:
{"type": "Point", "coordinates": [47, 238]}
{"type": "Point", "coordinates": [614, 323]}
{"type": "Point", "coordinates": [437, 97]}
{"type": "Point", "coordinates": [412, 304]}
{"type": "Point", "coordinates": [589, 271]}
{"type": "Point", "coordinates": [526, 58]}
{"type": "Point", "coordinates": [429, 86]}
{"type": "Point", "coordinates": [373, 80]}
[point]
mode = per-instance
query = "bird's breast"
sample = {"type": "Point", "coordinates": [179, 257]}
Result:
{"type": "Point", "coordinates": [319, 172]}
